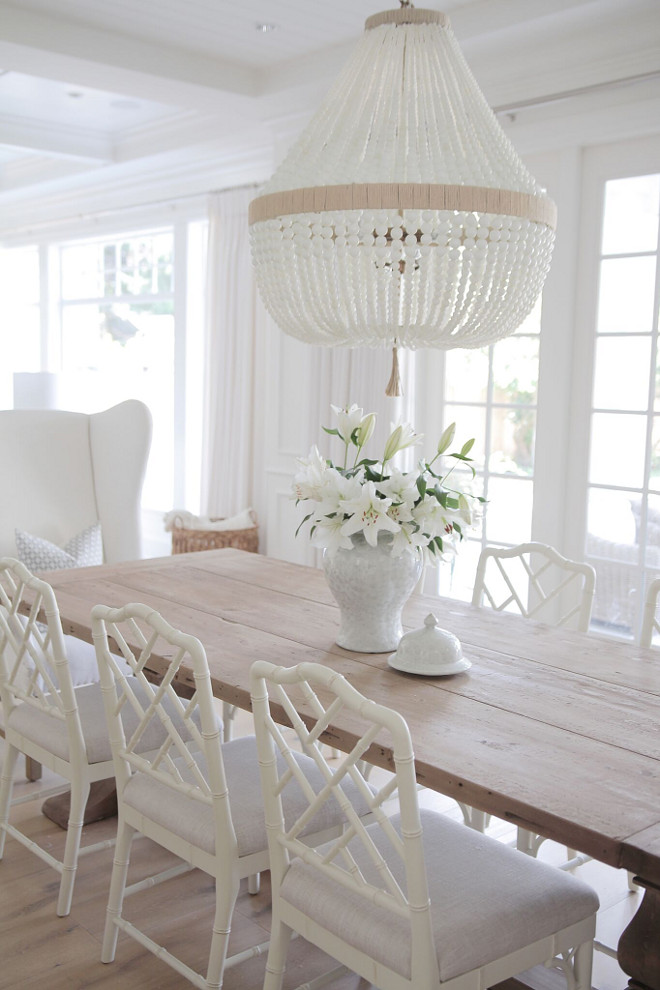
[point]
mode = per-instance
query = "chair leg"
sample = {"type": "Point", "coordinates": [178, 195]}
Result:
{"type": "Point", "coordinates": [228, 712]}
{"type": "Point", "coordinates": [79, 795]}
{"type": "Point", "coordinates": [6, 787]}
{"type": "Point", "coordinates": [225, 899]}
{"type": "Point", "coordinates": [525, 842]}
{"type": "Point", "coordinates": [33, 769]}
{"type": "Point", "coordinates": [280, 936]}
{"type": "Point", "coordinates": [120, 863]}
{"type": "Point", "coordinates": [478, 820]}
{"type": "Point", "coordinates": [582, 965]}
{"type": "Point", "coordinates": [254, 883]}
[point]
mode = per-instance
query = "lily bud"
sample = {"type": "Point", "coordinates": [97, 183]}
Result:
{"type": "Point", "coordinates": [365, 429]}
{"type": "Point", "coordinates": [446, 438]}
{"type": "Point", "coordinates": [393, 443]}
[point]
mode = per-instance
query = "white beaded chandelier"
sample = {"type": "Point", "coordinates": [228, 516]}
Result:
{"type": "Point", "coordinates": [403, 215]}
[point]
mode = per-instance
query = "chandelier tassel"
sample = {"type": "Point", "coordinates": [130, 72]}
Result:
{"type": "Point", "coordinates": [394, 384]}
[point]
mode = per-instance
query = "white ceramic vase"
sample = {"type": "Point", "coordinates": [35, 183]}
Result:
{"type": "Point", "coordinates": [371, 587]}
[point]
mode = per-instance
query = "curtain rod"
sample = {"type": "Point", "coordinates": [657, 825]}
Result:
{"type": "Point", "coordinates": [567, 94]}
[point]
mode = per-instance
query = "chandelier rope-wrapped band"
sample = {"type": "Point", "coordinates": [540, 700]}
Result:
{"type": "Point", "coordinates": [402, 216]}
{"type": "Point", "coordinates": [404, 196]}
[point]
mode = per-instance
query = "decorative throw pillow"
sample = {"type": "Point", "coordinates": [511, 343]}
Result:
{"type": "Point", "coordinates": [83, 550]}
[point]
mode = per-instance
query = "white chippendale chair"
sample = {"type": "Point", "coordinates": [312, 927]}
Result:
{"type": "Point", "coordinates": [199, 800]}
{"type": "Point", "coordinates": [651, 623]}
{"type": "Point", "coordinates": [65, 471]}
{"type": "Point", "coordinates": [412, 900]}
{"type": "Point", "coordinates": [537, 582]}
{"type": "Point", "coordinates": [61, 726]}
{"type": "Point", "coordinates": [45, 717]}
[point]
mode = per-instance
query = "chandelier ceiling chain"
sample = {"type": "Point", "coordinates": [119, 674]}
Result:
{"type": "Point", "coordinates": [402, 216]}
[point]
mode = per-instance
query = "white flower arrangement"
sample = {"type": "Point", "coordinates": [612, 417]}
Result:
{"type": "Point", "coordinates": [420, 511]}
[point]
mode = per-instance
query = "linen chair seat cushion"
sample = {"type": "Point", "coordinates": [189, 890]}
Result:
{"type": "Point", "coordinates": [487, 900]}
{"type": "Point", "coordinates": [37, 725]}
{"type": "Point", "coordinates": [192, 820]}
{"type": "Point", "coordinates": [81, 655]}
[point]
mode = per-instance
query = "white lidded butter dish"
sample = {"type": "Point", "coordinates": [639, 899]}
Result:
{"type": "Point", "coordinates": [431, 651]}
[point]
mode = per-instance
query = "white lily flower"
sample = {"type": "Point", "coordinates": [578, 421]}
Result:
{"type": "Point", "coordinates": [348, 420]}
{"type": "Point", "coordinates": [408, 541]}
{"type": "Point", "coordinates": [329, 536]}
{"type": "Point", "coordinates": [369, 515]}
{"type": "Point", "coordinates": [400, 487]}
{"type": "Point", "coordinates": [309, 481]}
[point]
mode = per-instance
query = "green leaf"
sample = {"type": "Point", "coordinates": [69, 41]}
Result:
{"type": "Point", "coordinates": [467, 447]}
{"type": "Point", "coordinates": [421, 485]}
{"type": "Point", "coordinates": [333, 433]}
{"type": "Point", "coordinates": [308, 516]}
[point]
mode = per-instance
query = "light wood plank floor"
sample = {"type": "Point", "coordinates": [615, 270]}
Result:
{"type": "Point", "coordinates": [38, 949]}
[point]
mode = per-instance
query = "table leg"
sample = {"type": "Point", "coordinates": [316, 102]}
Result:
{"type": "Point", "coordinates": [639, 946]}
{"type": "Point", "coordinates": [102, 803]}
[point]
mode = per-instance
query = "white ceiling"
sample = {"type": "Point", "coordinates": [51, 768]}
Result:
{"type": "Point", "coordinates": [93, 91]}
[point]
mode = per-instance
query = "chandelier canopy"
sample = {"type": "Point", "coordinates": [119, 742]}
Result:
{"type": "Point", "coordinates": [402, 216]}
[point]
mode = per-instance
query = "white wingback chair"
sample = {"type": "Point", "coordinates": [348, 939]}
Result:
{"type": "Point", "coordinates": [64, 471]}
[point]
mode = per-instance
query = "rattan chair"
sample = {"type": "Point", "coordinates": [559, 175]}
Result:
{"type": "Point", "coordinates": [201, 800]}
{"type": "Point", "coordinates": [414, 900]}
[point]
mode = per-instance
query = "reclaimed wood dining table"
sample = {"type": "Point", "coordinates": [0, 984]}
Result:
{"type": "Point", "coordinates": [552, 730]}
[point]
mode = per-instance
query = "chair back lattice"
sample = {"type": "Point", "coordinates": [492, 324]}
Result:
{"type": "Point", "coordinates": [33, 664]}
{"type": "Point", "coordinates": [651, 623]}
{"type": "Point", "coordinates": [536, 581]}
{"type": "Point", "coordinates": [176, 741]}
{"type": "Point", "coordinates": [383, 862]}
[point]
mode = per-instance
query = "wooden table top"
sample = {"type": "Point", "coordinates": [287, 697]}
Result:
{"type": "Point", "coordinates": [551, 729]}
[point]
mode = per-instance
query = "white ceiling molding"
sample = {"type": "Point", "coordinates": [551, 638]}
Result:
{"type": "Point", "coordinates": [55, 140]}
{"type": "Point", "coordinates": [74, 53]}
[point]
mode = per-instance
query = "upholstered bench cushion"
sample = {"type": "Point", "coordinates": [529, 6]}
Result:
{"type": "Point", "coordinates": [487, 900]}
{"type": "Point", "coordinates": [35, 724]}
{"type": "Point", "coordinates": [193, 821]}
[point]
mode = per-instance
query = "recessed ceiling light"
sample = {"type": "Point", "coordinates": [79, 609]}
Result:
{"type": "Point", "coordinates": [265, 28]}
{"type": "Point", "coordinates": [75, 94]}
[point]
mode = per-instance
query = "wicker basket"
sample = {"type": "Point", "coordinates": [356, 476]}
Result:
{"type": "Point", "coordinates": [191, 540]}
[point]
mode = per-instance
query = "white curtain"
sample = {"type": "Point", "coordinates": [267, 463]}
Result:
{"type": "Point", "coordinates": [232, 332]}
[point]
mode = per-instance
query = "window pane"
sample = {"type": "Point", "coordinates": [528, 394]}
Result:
{"type": "Point", "coordinates": [653, 532]}
{"type": "Point", "coordinates": [20, 345]}
{"type": "Point", "coordinates": [470, 422]}
{"type": "Point", "coordinates": [111, 353]}
{"type": "Point", "coordinates": [613, 550]}
{"type": "Point", "coordinates": [625, 300]}
{"type": "Point", "coordinates": [617, 450]}
{"type": "Point", "coordinates": [516, 370]}
{"type": "Point", "coordinates": [654, 479]}
{"type": "Point", "coordinates": [512, 441]}
{"type": "Point", "coordinates": [456, 577]}
{"type": "Point", "coordinates": [509, 511]}
{"type": "Point", "coordinates": [631, 214]}
{"type": "Point", "coordinates": [81, 271]}
{"type": "Point", "coordinates": [611, 518]}
{"type": "Point", "coordinates": [466, 375]}
{"type": "Point", "coordinates": [622, 372]}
